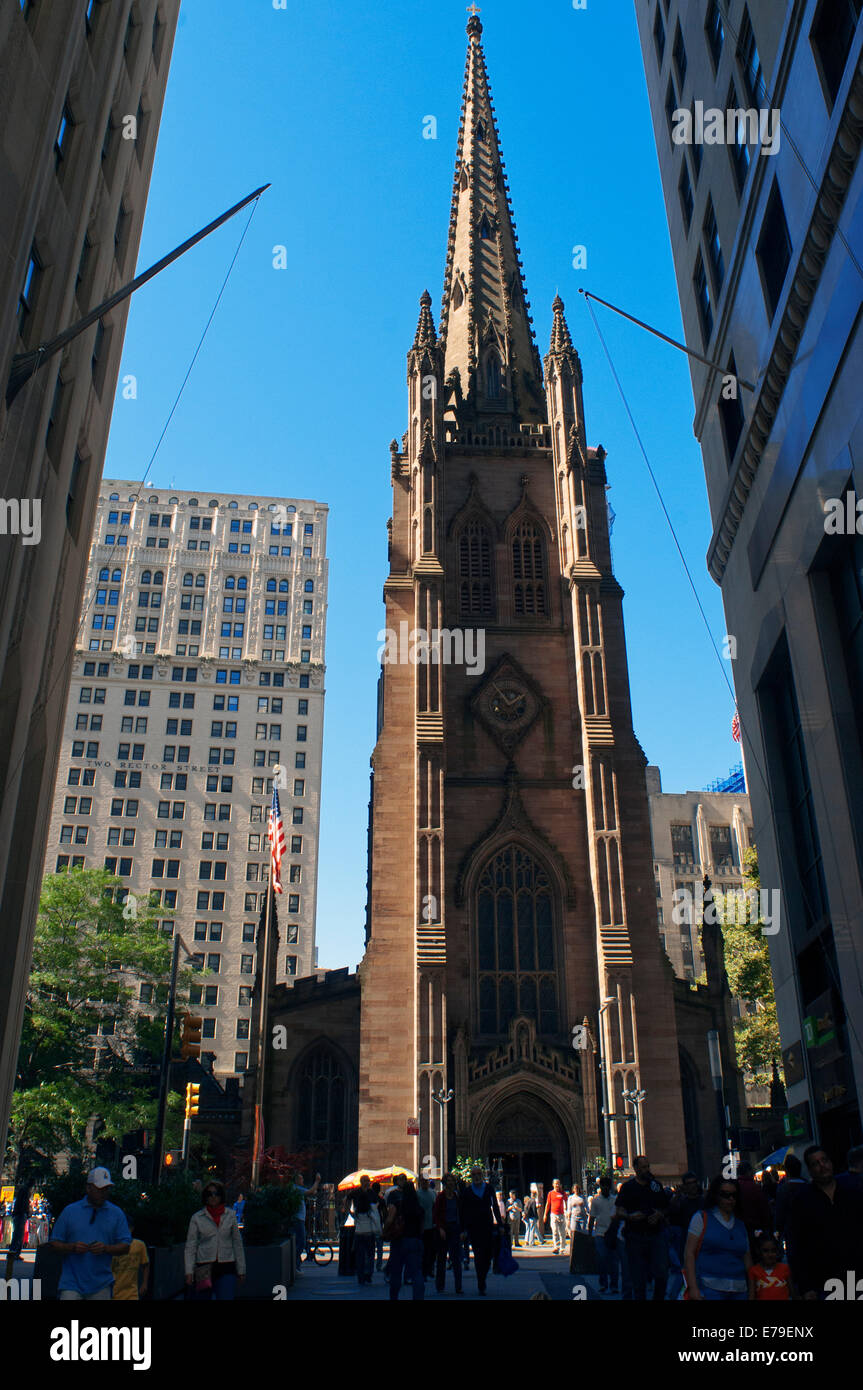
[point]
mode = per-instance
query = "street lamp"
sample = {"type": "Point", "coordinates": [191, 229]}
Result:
{"type": "Point", "coordinates": [635, 1098]}
{"type": "Point", "coordinates": [606, 1124]}
{"type": "Point", "coordinates": [442, 1098]}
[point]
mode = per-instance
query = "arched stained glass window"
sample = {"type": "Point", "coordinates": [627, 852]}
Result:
{"type": "Point", "coordinates": [475, 570]}
{"type": "Point", "coordinates": [529, 571]}
{"type": "Point", "coordinates": [322, 1107]}
{"type": "Point", "coordinates": [515, 944]}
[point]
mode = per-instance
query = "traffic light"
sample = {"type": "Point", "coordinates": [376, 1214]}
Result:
{"type": "Point", "coordinates": [193, 1091]}
{"type": "Point", "coordinates": [618, 1161]}
{"type": "Point", "coordinates": [172, 1158]}
{"type": "Point", "coordinates": [190, 1037]}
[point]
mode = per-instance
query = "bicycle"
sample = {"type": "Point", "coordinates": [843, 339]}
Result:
{"type": "Point", "coordinates": [319, 1244]}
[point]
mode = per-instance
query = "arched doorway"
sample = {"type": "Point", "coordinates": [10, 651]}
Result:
{"type": "Point", "coordinates": [529, 1142]}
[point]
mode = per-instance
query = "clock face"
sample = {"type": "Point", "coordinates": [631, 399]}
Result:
{"type": "Point", "coordinates": [508, 702]}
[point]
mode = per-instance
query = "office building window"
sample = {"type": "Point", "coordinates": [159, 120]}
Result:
{"type": "Point", "coordinates": [773, 253]}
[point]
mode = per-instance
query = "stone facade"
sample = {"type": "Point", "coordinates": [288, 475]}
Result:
{"type": "Point", "coordinates": [81, 93]}
{"type": "Point", "coordinates": [511, 898]}
{"type": "Point", "coordinates": [693, 833]}
{"type": "Point", "coordinates": [767, 237]}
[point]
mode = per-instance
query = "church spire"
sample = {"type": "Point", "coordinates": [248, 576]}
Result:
{"type": "Point", "coordinates": [560, 336]}
{"type": "Point", "coordinates": [485, 324]}
{"type": "Point", "coordinates": [425, 334]}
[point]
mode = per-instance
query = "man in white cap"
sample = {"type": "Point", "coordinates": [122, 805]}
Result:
{"type": "Point", "coordinates": [88, 1233]}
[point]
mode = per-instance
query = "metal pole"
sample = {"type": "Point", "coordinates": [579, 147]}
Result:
{"type": "Point", "coordinates": [264, 975]}
{"type": "Point", "coordinates": [166, 1066]}
{"type": "Point", "coordinates": [681, 347]}
{"type": "Point", "coordinates": [606, 1123]}
{"type": "Point", "coordinates": [26, 364]}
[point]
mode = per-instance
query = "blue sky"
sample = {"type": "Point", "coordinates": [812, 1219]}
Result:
{"type": "Point", "coordinates": [301, 382]}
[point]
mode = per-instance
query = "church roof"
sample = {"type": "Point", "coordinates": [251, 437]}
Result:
{"type": "Point", "coordinates": [485, 305]}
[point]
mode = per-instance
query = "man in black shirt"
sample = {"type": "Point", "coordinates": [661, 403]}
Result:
{"type": "Point", "coordinates": [826, 1229]}
{"type": "Point", "coordinates": [480, 1214]}
{"type": "Point", "coordinates": [642, 1203]}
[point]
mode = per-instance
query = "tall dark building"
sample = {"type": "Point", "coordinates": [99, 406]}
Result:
{"type": "Point", "coordinates": [81, 90]}
{"type": "Point", "coordinates": [764, 196]}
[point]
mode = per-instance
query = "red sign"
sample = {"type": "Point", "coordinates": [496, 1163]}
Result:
{"type": "Point", "coordinates": [413, 1126]}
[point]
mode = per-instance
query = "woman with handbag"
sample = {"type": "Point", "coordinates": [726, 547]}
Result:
{"type": "Point", "coordinates": [215, 1258]}
{"type": "Point", "coordinates": [367, 1228]}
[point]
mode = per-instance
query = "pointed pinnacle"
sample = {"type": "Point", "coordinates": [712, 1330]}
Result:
{"type": "Point", "coordinates": [560, 336]}
{"type": "Point", "coordinates": [425, 334]}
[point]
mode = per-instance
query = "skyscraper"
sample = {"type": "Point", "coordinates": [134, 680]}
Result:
{"type": "Point", "coordinates": [762, 190]}
{"type": "Point", "coordinates": [512, 920]}
{"type": "Point", "coordinates": [81, 92]}
{"type": "Point", "coordinates": [198, 669]}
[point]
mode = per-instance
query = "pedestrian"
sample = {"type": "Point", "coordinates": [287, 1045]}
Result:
{"type": "Point", "coordinates": [19, 1210]}
{"type": "Point", "coordinates": [514, 1213]}
{"type": "Point", "coordinates": [685, 1202]}
{"type": "Point", "coordinates": [530, 1219]}
{"type": "Point", "coordinates": [555, 1206]}
{"type": "Point", "coordinates": [239, 1209]}
{"type": "Point", "coordinates": [642, 1202]}
{"type": "Point", "coordinates": [300, 1218]}
{"type": "Point", "coordinates": [826, 1229]}
{"type": "Point", "coordinates": [367, 1227]}
{"type": "Point", "coordinates": [716, 1256]}
{"type": "Point", "coordinates": [853, 1175]}
{"type": "Point", "coordinates": [131, 1271]}
{"type": "Point", "coordinates": [426, 1198]}
{"type": "Point", "coordinates": [214, 1258]}
{"type": "Point", "coordinates": [89, 1233]}
{"type": "Point", "coordinates": [753, 1204]}
{"type": "Point", "coordinates": [382, 1216]}
{"type": "Point", "coordinates": [575, 1209]}
{"type": "Point", "coordinates": [600, 1217]}
{"type": "Point", "coordinates": [448, 1227]}
{"type": "Point", "coordinates": [404, 1230]}
{"type": "Point", "coordinates": [769, 1279]}
{"type": "Point", "coordinates": [786, 1195]}
{"type": "Point", "coordinates": [482, 1222]}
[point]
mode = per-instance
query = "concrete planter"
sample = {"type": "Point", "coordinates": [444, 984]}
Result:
{"type": "Point", "coordinates": [48, 1267]}
{"type": "Point", "coordinates": [167, 1275]}
{"type": "Point", "coordinates": [268, 1266]}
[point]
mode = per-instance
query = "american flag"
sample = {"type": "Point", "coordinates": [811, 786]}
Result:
{"type": "Point", "coordinates": [735, 727]}
{"type": "Point", "coordinates": [276, 837]}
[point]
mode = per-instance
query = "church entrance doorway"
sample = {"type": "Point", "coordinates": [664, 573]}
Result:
{"type": "Point", "coordinates": [526, 1144]}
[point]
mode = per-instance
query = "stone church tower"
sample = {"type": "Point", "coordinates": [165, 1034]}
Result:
{"type": "Point", "coordinates": [513, 954]}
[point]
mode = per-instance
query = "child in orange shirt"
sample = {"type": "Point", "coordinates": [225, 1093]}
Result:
{"type": "Point", "coordinates": [769, 1279]}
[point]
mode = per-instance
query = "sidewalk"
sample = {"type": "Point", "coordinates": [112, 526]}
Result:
{"type": "Point", "coordinates": [538, 1272]}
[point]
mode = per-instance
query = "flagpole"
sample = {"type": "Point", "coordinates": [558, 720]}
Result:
{"type": "Point", "coordinates": [264, 976]}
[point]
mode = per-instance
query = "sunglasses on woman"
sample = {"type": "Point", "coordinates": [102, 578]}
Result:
{"type": "Point", "coordinates": [728, 1193]}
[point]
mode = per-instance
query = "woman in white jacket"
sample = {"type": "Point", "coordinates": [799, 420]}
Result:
{"type": "Point", "coordinates": [215, 1258]}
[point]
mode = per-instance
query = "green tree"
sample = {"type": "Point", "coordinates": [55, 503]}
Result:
{"type": "Point", "coordinates": [91, 955]}
{"type": "Point", "coordinates": [747, 964]}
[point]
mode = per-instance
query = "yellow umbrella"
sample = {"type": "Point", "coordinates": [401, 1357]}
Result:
{"type": "Point", "coordinates": [353, 1179]}
{"type": "Point", "coordinates": [390, 1174]}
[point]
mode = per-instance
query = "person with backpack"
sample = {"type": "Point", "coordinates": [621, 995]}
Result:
{"type": "Point", "coordinates": [716, 1257]}
{"type": "Point", "coordinates": [404, 1230]}
{"type": "Point", "coordinates": [482, 1221]}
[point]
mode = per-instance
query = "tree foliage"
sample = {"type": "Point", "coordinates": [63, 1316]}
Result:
{"type": "Point", "coordinates": [747, 965]}
{"type": "Point", "coordinates": [90, 958]}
